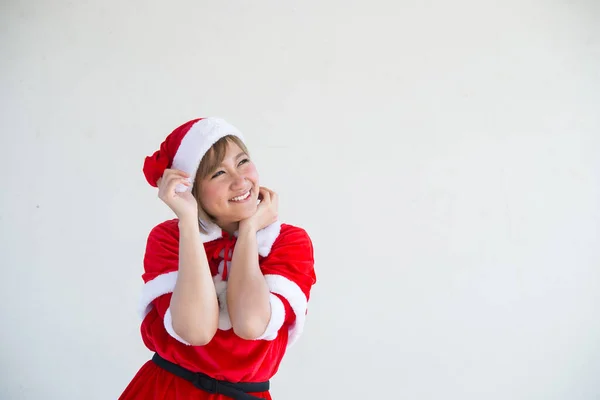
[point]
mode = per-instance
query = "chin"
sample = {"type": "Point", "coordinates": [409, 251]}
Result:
{"type": "Point", "coordinates": [240, 215]}
{"type": "Point", "coordinates": [248, 214]}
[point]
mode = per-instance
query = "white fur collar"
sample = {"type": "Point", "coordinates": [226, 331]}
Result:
{"type": "Point", "coordinates": [265, 237]}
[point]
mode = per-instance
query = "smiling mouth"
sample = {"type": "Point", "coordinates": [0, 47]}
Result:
{"type": "Point", "coordinates": [243, 197]}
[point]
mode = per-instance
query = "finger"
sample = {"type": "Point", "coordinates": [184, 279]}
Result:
{"type": "Point", "coordinates": [170, 185]}
{"type": "Point", "coordinates": [169, 177]}
{"type": "Point", "coordinates": [267, 189]}
{"type": "Point", "coordinates": [179, 181]}
{"type": "Point", "coordinates": [275, 202]}
{"type": "Point", "coordinates": [273, 197]}
{"type": "Point", "coordinates": [174, 172]}
{"type": "Point", "coordinates": [177, 171]}
{"type": "Point", "coordinates": [265, 194]}
{"type": "Point", "coordinates": [272, 193]}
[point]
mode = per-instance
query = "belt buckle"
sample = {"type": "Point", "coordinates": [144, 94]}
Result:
{"type": "Point", "coordinates": [206, 383]}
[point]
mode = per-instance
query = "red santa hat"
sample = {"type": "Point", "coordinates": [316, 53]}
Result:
{"type": "Point", "coordinates": [184, 148]}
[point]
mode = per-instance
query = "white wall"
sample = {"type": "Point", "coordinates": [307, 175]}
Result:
{"type": "Point", "coordinates": [444, 158]}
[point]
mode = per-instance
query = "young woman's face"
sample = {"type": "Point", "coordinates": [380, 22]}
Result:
{"type": "Point", "coordinates": [230, 193]}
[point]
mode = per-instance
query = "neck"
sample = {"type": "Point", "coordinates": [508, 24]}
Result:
{"type": "Point", "coordinates": [230, 227]}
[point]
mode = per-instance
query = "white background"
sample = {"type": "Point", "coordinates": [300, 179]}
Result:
{"type": "Point", "coordinates": [443, 156]}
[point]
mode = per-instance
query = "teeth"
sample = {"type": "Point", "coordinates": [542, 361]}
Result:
{"type": "Point", "coordinates": [242, 197]}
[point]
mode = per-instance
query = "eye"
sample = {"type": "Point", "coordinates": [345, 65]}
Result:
{"type": "Point", "coordinates": [217, 174]}
{"type": "Point", "coordinates": [244, 161]}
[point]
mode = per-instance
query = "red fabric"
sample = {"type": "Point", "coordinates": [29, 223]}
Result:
{"type": "Point", "coordinates": [155, 165]}
{"type": "Point", "coordinates": [227, 356]}
{"type": "Point", "coordinates": [154, 383]}
{"type": "Point", "coordinates": [292, 258]}
{"type": "Point", "coordinates": [289, 313]}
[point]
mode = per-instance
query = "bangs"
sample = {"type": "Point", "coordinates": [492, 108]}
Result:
{"type": "Point", "coordinates": [214, 157]}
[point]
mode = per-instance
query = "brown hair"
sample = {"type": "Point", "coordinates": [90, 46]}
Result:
{"type": "Point", "coordinates": [209, 163]}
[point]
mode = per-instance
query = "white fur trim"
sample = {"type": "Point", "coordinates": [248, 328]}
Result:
{"type": "Point", "coordinates": [277, 311]}
{"type": "Point", "coordinates": [221, 267]}
{"type": "Point", "coordinates": [197, 141]}
{"type": "Point", "coordinates": [169, 326]}
{"type": "Point", "coordinates": [214, 232]}
{"type": "Point", "coordinates": [265, 238]}
{"type": "Point", "coordinates": [294, 295]}
{"type": "Point", "coordinates": [155, 288]}
{"type": "Point", "coordinates": [221, 289]}
{"type": "Point", "coordinates": [276, 320]}
{"type": "Point", "coordinates": [165, 283]}
{"type": "Point", "coordinates": [229, 254]}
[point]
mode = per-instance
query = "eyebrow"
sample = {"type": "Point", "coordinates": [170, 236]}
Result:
{"type": "Point", "coordinates": [236, 158]}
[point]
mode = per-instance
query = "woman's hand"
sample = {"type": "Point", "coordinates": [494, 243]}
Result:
{"type": "Point", "coordinates": [183, 204]}
{"type": "Point", "coordinates": [266, 212]}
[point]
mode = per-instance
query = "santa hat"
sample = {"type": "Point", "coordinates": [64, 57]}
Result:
{"type": "Point", "coordinates": [184, 148]}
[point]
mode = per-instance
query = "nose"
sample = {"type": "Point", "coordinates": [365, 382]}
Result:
{"type": "Point", "coordinates": [238, 182]}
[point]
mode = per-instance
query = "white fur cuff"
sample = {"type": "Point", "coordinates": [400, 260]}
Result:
{"type": "Point", "coordinates": [294, 295]}
{"type": "Point", "coordinates": [277, 318]}
{"type": "Point", "coordinates": [169, 326]}
{"type": "Point", "coordinates": [155, 288]}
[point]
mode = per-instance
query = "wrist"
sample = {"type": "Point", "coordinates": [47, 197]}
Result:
{"type": "Point", "coordinates": [188, 222]}
{"type": "Point", "coordinates": [247, 228]}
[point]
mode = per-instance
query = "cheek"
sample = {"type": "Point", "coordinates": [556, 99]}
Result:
{"type": "Point", "coordinates": [209, 195]}
{"type": "Point", "coordinates": [252, 174]}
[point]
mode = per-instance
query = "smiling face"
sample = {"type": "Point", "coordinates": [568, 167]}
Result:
{"type": "Point", "coordinates": [227, 184]}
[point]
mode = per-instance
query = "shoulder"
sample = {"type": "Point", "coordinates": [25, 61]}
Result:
{"type": "Point", "coordinates": [293, 236]}
{"type": "Point", "coordinates": [162, 248]}
{"type": "Point", "coordinates": [293, 244]}
{"type": "Point", "coordinates": [165, 233]}
{"type": "Point", "coordinates": [291, 232]}
{"type": "Point", "coordinates": [292, 258]}
{"type": "Point", "coordinates": [167, 228]}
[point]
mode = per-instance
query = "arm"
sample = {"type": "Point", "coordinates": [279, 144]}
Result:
{"type": "Point", "coordinates": [194, 306]}
{"type": "Point", "coordinates": [290, 275]}
{"type": "Point", "coordinates": [247, 291]}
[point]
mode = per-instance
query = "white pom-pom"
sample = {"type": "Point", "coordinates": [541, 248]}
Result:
{"type": "Point", "coordinates": [180, 188]}
{"type": "Point", "coordinates": [221, 289]}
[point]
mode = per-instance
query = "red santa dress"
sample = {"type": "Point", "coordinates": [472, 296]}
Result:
{"type": "Point", "coordinates": [285, 259]}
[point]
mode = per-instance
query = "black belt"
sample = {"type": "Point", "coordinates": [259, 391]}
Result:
{"type": "Point", "coordinates": [237, 391]}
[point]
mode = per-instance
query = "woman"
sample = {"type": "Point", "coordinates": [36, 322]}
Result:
{"type": "Point", "coordinates": [226, 285]}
